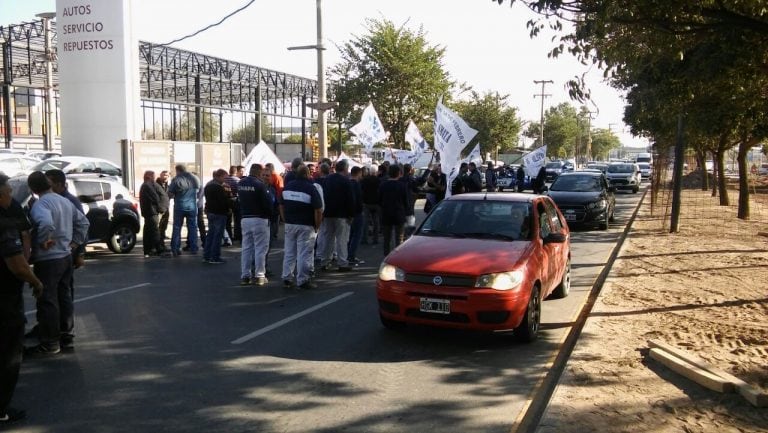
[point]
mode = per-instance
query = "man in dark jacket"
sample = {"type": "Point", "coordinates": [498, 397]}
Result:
{"type": "Point", "coordinates": [218, 205]}
{"type": "Point", "coordinates": [474, 181]}
{"type": "Point", "coordinates": [337, 217]}
{"type": "Point", "coordinates": [541, 178]}
{"type": "Point", "coordinates": [154, 202]}
{"type": "Point", "coordinates": [411, 190]}
{"type": "Point", "coordinates": [520, 178]}
{"type": "Point", "coordinates": [162, 180]}
{"type": "Point", "coordinates": [301, 209]}
{"type": "Point", "coordinates": [14, 271]}
{"type": "Point", "coordinates": [393, 199]}
{"type": "Point", "coordinates": [356, 230]}
{"type": "Point", "coordinates": [490, 178]}
{"type": "Point", "coordinates": [371, 210]}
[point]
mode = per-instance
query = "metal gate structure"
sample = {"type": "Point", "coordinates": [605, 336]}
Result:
{"type": "Point", "coordinates": [185, 96]}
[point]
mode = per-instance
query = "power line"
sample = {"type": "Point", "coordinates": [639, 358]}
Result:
{"type": "Point", "coordinates": [211, 25]}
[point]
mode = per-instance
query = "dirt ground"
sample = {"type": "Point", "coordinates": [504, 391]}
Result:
{"type": "Point", "coordinates": [704, 290]}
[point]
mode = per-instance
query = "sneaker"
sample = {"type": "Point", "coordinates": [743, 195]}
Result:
{"type": "Point", "coordinates": [67, 343]}
{"type": "Point", "coordinates": [287, 284]}
{"type": "Point", "coordinates": [245, 281]}
{"type": "Point", "coordinates": [344, 268]}
{"type": "Point", "coordinates": [216, 262]}
{"type": "Point", "coordinates": [40, 351]}
{"type": "Point", "coordinates": [356, 261]}
{"type": "Point", "coordinates": [176, 253]}
{"type": "Point", "coordinates": [261, 281]}
{"type": "Point", "coordinates": [308, 285]}
{"type": "Point", "coordinates": [12, 415]}
{"type": "Point", "coordinates": [226, 244]}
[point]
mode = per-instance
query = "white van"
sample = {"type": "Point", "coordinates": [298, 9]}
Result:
{"type": "Point", "coordinates": [644, 157]}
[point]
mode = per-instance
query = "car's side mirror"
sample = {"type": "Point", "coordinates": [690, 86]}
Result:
{"type": "Point", "coordinates": [555, 238]}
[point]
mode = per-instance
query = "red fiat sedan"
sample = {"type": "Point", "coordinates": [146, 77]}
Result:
{"type": "Point", "coordinates": [481, 261]}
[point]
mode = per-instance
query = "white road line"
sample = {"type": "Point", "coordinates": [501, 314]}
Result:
{"type": "Point", "coordinates": [289, 319]}
{"type": "Point", "coordinates": [111, 292]}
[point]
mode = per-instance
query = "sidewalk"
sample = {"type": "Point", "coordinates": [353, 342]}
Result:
{"type": "Point", "coordinates": [703, 290]}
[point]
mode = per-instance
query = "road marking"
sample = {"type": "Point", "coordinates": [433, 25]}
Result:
{"type": "Point", "coordinates": [289, 319]}
{"type": "Point", "coordinates": [111, 292]}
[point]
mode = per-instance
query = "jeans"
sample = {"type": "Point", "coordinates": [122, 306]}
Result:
{"type": "Point", "coordinates": [216, 225]}
{"type": "Point", "coordinates": [336, 236]}
{"type": "Point", "coordinates": [200, 226]}
{"type": "Point", "coordinates": [355, 235]}
{"type": "Point", "coordinates": [371, 214]}
{"type": "Point", "coordinates": [299, 248]}
{"type": "Point", "coordinates": [11, 344]}
{"type": "Point", "coordinates": [178, 218]}
{"type": "Point", "coordinates": [255, 244]}
{"type": "Point", "coordinates": [55, 309]}
{"type": "Point", "coordinates": [398, 230]}
{"type": "Point", "coordinates": [153, 243]}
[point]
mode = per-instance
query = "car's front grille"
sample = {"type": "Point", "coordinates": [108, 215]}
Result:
{"type": "Point", "coordinates": [452, 317]}
{"type": "Point", "coordinates": [619, 181]}
{"type": "Point", "coordinates": [574, 207]}
{"type": "Point", "coordinates": [445, 280]}
{"type": "Point", "coordinates": [441, 296]}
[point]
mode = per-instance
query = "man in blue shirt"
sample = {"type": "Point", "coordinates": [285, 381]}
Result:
{"type": "Point", "coordinates": [183, 191]}
{"type": "Point", "coordinates": [255, 210]}
{"type": "Point", "coordinates": [301, 209]}
{"type": "Point", "coordinates": [59, 228]}
{"type": "Point", "coordinates": [337, 217]}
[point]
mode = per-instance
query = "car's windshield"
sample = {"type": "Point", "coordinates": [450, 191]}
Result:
{"type": "Point", "coordinates": [49, 165]}
{"type": "Point", "coordinates": [620, 168]}
{"type": "Point", "coordinates": [576, 184]}
{"type": "Point", "coordinates": [554, 165]}
{"type": "Point", "coordinates": [500, 220]}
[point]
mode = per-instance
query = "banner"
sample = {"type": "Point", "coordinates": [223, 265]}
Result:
{"type": "Point", "coordinates": [451, 136]}
{"type": "Point", "coordinates": [415, 139]}
{"type": "Point", "coordinates": [534, 160]}
{"type": "Point", "coordinates": [370, 130]}
{"type": "Point", "coordinates": [400, 156]}
{"type": "Point", "coordinates": [475, 156]}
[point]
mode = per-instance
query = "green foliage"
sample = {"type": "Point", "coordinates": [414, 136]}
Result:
{"type": "Point", "coordinates": [603, 141]}
{"type": "Point", "coordinates": [209, 127]}
{"type": "Point", "coordinates": [395, 68]}
{"type": "Point", "coordinates": [496, 122]}
{"type": "Point", "coordinates": [247, 133]}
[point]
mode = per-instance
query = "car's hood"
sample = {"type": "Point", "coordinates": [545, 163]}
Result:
{"type": "Point", "coordinates": [572, 197]}
{"type": "Point", "coordinates": [457, 256]}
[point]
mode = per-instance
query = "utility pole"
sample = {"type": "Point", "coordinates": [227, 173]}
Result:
{"type": "Point", "coordinates": [542, 95]}
{"type": "Point", "coordinates": [588, 153]}
{"type": "Point", "coordinates": [50, 133]}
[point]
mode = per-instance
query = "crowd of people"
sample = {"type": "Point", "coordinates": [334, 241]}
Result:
{"type": "Point", "coordinates": [327, 213]}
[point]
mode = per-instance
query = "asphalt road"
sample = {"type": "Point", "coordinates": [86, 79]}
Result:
{"type": "Point", "coordinates": [170, 344]}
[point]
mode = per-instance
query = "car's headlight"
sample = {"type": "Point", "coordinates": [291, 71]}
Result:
{"type": "Point", "coordinates": [501, 281]}
{"type": "Point", "coordinates": [598, 204]}
{"type": "Point", "coordinates": [388, 272]}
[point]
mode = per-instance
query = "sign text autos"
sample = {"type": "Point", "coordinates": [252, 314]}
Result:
{"type": "Point", "coordinates": [86, 27]}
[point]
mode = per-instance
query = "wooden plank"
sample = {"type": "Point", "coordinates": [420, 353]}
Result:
{"type": "Point", "coordinates": [752, 394]}
{"type": "Point", "coordinates": [692, 372]}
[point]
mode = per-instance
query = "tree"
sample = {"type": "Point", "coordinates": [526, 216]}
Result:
{"type": "Point", "coordinates": [496, 122]}
{"type": "Point", "coordinates": [397, 70]}
{"type": "Point", "coordinates": [603, 141]}
{"type": "Point", "coordinates": [247, 133]}
{"type": "Point", "coordinates": [209, 123]}
{"type": "Point", "coordinates": [561, 129]}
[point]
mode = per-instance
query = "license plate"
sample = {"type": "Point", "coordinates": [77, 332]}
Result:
{"type": "Point", "coordinates": [503, 182]}
{"type": "Point", "coordinates": [432, 305]}
{"type": "Point", "coordinates": [570, 217]}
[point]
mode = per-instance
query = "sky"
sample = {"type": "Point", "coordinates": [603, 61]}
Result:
{"type": "Point", "coordinates": [487, 45]}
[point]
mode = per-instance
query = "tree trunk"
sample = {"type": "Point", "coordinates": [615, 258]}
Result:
{"type": "Point", "coordinates": [743, 212]}
{"type": "Point", "coordinates": [721, 181]}
{"type": "Point", "coordinates": [714, 174]}
{"type": "Point", "coordinates": [701, 161]}
{"type": "Point", "coordinates": [677, 176]}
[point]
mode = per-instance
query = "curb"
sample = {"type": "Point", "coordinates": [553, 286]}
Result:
{"type": "Point", "coordinates": [538, 401]}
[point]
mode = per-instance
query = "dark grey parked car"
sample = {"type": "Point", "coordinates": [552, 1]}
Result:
{"type": "Point", "coordinates": [111, 210]}
{"type": "Point", "coordinates": [584, 198]}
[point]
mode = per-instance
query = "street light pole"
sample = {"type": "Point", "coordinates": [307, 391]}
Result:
{"type": "Point", "coordinates": [542, 95]}
{"type": "Point", "coordinates": [322, 117]}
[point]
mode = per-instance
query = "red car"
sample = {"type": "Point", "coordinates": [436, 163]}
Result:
{"type": "Point", "coordinates": [481, 261]}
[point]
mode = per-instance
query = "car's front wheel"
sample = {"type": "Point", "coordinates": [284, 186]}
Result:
{"type": "Point", "coordinates": [528, 330]}
{"type": "Point", "coordinates": [123, 239]}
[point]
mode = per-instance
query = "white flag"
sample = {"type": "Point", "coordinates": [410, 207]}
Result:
{"type": "Point", "coordinates": [475, 156]}
{"type": "Point", "coordinates": [534, 160]}
{"type": "Point", "coordinates": [415, 139]}
{"type": "Point", "coordinates": [451, 136]}
{"type": "Point", "coordinates": [370, 130]}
